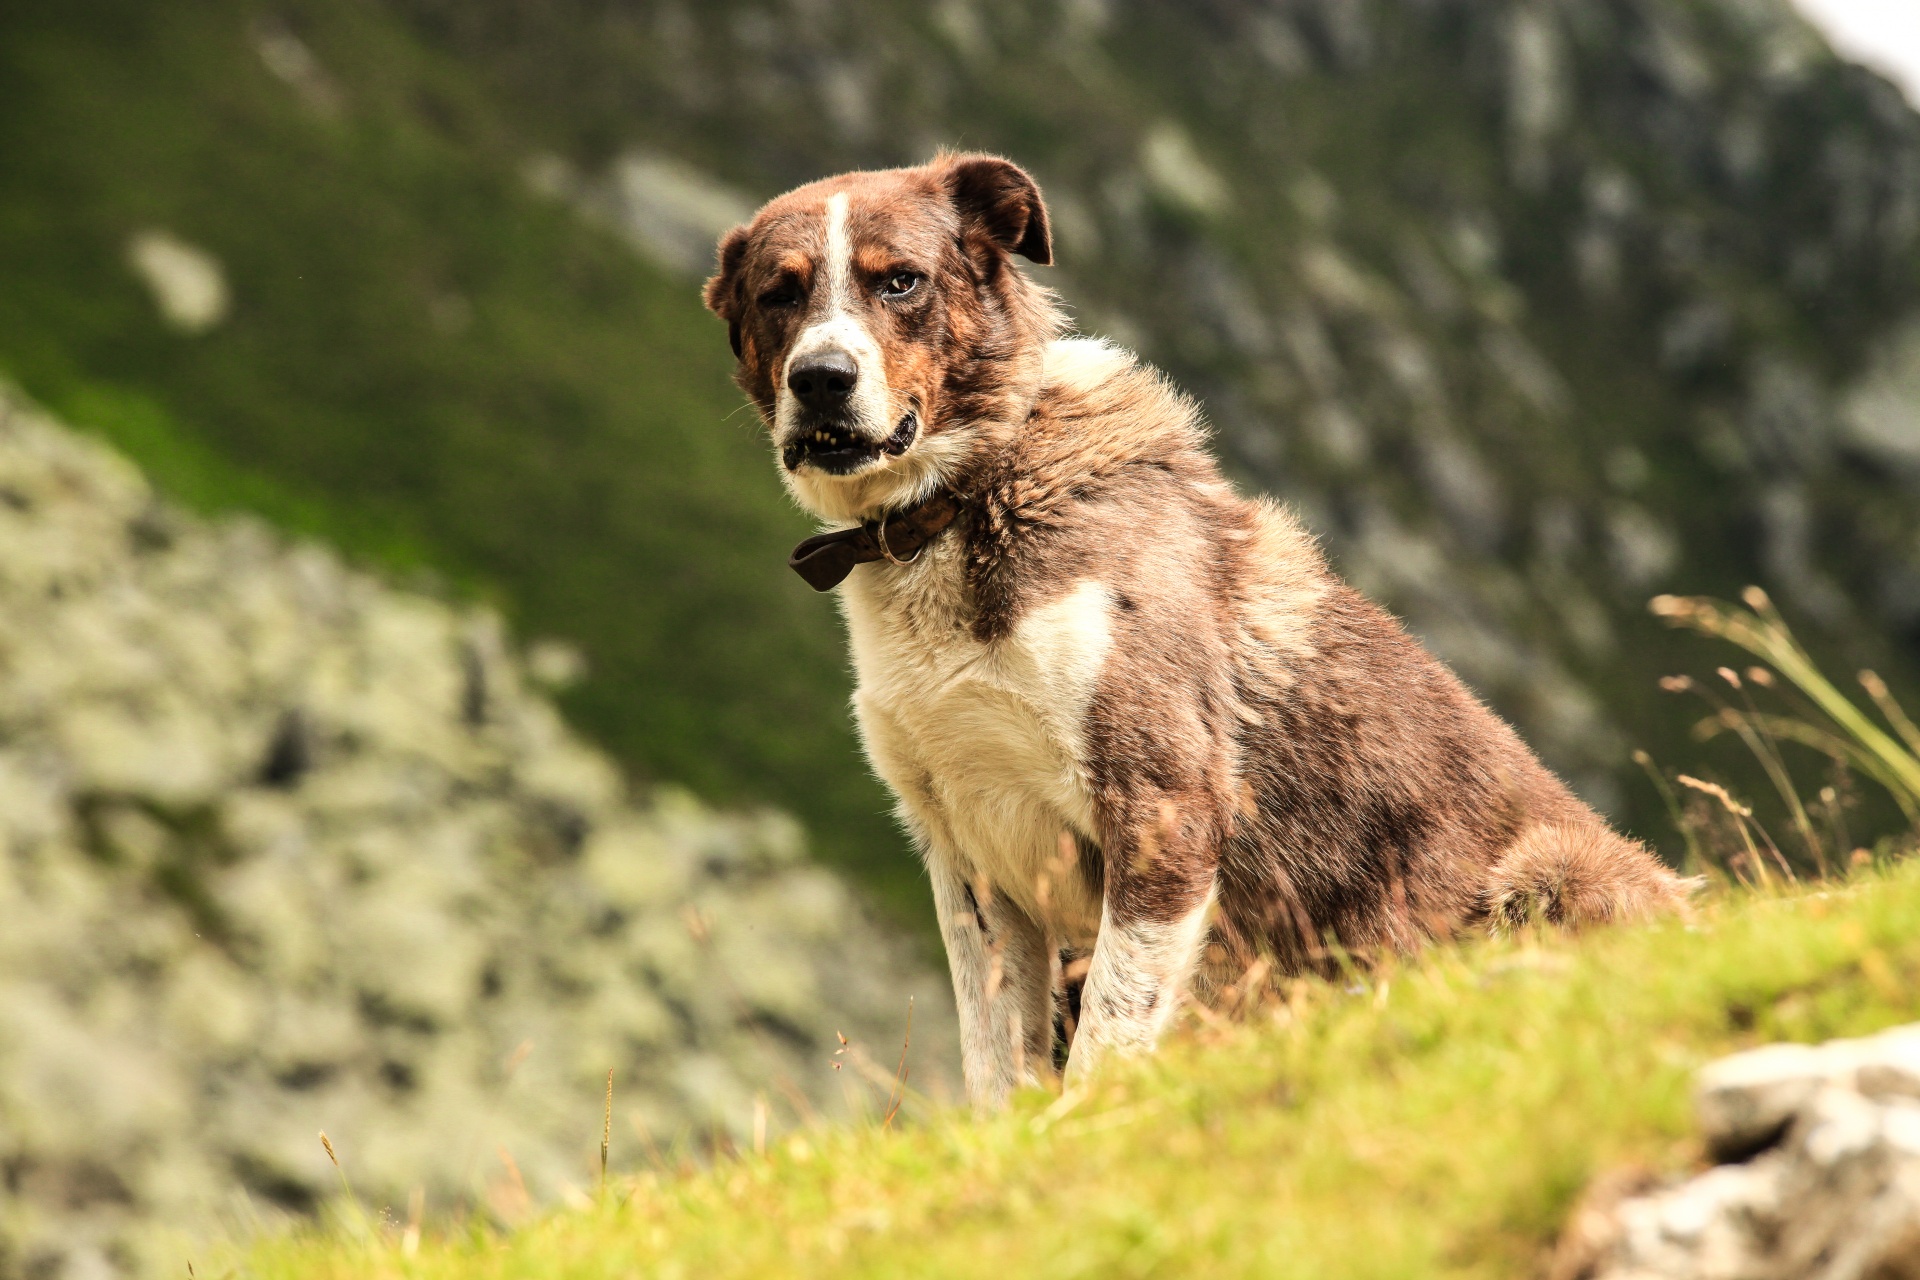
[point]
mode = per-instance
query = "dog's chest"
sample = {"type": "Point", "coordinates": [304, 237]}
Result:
{"type": "Point", "coordinates": [985, 743]}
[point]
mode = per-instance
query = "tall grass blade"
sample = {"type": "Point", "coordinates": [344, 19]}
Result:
{"type": "Point", "coordinates": [1895, 713]}
{"type": "Point", "coordinates": [1762, 632]}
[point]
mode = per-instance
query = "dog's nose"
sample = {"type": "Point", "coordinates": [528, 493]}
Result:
{"type": "Point", "coordinates": [822, 382]}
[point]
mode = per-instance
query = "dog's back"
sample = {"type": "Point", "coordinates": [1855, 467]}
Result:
{"type": "Point", "coordinates": [1390, 806]}
{"type": "Point", "coordinates": [1371, 800]}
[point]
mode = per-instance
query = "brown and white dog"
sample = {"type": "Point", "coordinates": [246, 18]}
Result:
{"type": "Point", "coordinates": [1126, 712]}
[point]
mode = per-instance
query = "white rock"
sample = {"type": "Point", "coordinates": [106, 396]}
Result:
{"type": "Point", "coordinates": [187, 283]}
{"type": "Point", "coordinates": [1744, 1101]}
{"type": "Point", "coordinates": [1834, 1196]}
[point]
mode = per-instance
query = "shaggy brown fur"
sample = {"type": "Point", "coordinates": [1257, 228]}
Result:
{"type": "Point", "coordinates": [1124, 709]}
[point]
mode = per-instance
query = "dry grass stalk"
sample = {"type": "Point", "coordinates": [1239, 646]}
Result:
{"type": "Point", "coordinates": [1820, 717]}
{"type": "Point", "coordinates": [884, 1081]}
{"type": "Point", "coordinates": [1761, 631]}
{"type": "Point", "coordinates": [416, 1216]}
{"type": "Point", "coordinates": [359, 1214]}
{"type": "Point", "coordinates": [1743, 819]}
{"type": "Point", "coordinates": [508, 1197]}
{"type": "Point", "coordinates": [899, 1092]}
{"type": "Point", "coordinates": [606, 1134]}
{"type": "Point", "coordinates": [1896, 714]}
{"type": "Point", "coordinates": [1696, 860]}
{"type": "Point", "coordinates": [1719, 793]}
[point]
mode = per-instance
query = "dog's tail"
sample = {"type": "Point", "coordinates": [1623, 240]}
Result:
{"type": "Point", "coordinates": [1575, 875]}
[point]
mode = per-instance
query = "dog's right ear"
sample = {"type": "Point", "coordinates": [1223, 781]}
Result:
{"type": "Point", "coordinates": [723, 290]}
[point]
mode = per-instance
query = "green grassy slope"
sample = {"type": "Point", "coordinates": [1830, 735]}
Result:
{"type": "Point", "coordinates": [1434, 1120]}
{"type": "Point", "coordinates": [430, 365]}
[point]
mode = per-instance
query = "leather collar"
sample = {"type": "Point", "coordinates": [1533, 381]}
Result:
{"type": "Point", "coordinates": [826, 559]}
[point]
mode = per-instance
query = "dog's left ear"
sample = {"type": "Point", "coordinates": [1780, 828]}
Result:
{"type": "Point", "coordinates": [998, 197]}
{"type": "Point", "coordinates": [722, 293]}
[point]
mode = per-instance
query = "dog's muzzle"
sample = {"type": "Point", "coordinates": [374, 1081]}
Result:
{"type": "Point", "coordinates": [838, 450]}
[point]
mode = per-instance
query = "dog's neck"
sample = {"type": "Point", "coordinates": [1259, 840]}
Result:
{"type": "Point", "coordinates": [893, 529]}
{"type": "Point", "coordinates": [826, 559]}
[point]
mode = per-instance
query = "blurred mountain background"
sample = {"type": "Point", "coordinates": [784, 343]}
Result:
{"type": "Point", "coordinates": [1532, 308]}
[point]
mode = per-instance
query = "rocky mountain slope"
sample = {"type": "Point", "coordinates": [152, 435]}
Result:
{"type": "Point", "coordinates": [283, 850]}
{"type": "Point", "coordinates": [1533, 307]}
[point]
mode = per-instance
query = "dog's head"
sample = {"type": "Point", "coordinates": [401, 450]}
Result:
{"type": "Point", "coordinates": [882, 329]}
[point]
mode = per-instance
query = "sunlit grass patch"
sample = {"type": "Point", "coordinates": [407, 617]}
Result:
{"type": "Point", "coordinates": [1437, 1117]}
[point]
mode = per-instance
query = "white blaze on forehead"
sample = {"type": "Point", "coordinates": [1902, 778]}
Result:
{"type": "Point", "coordinates": [839, 256]}
{"type": "Point", "coordinates": [838, 327]}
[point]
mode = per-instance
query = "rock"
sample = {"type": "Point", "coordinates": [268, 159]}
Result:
{"type": "Point", "coordinates": [283, 850]}
{"type": "Point", "coordinates": [189, 288]}
{"type": "Point", "coordinates": [670, 211]}
{"type": "Point", "coordinates": [1745, 1102]}
{"type": "Point", "coordinates": [1880, 418]}
{"type": "Point", "coordinates": [1819, 1176]}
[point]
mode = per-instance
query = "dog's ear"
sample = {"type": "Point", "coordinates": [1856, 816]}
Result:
{"type": "Point", "coordinates": [723, 289]}
{"type": "Point", "coordinates": [999, 198]}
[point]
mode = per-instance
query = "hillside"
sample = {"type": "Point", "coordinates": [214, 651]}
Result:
{"type": "Point", "coordinates": [284, 850]}
{"type": "Point", "coordinates": [1438, 1119]}
{"type": "Point", "coordinates": [1533, 308]}
{"type": "Point", "coordinates": [425, 362]}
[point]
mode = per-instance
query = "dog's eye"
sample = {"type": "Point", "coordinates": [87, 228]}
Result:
{"type": "Point", "coordinates": [900, 284]}
{"type": "Point", "coordinates": [781, 295]}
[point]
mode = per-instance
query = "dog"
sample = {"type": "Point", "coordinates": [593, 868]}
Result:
{"type": "Point", "coordinates": [1131, 718]}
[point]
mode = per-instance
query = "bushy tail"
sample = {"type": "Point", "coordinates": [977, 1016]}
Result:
{"type": "Point", "coordinates": [1576, 875]}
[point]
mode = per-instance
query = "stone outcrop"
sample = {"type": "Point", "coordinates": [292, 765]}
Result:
{"type": "Point", "coordinates": [1819, 1176]}
{"type": "Point", "coordinates": [284, 850]}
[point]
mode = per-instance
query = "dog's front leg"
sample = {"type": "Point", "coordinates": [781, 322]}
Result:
{"type": "Point", "coordinates": [1153, 923]}
{"type": "Point", "coordinates": [1001, 983]}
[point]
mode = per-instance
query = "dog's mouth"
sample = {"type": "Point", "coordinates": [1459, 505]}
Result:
{"type": "Point", "coordinates": [835, 449]}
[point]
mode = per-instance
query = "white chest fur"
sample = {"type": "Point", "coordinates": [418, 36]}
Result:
{"type": "Point", "coordinates": [984, 744]}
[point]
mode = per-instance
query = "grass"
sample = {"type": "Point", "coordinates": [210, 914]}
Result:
{"type": "Point", "coordinates": [1439, 1118]}
{"type": "Point", "coordinates": [1804, 713]}
{"type": "Point", "coordinates": [1432, 1116]}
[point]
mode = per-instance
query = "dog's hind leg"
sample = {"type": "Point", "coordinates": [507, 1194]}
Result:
{"type": "Point", "coordinates": [1001, 982]}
